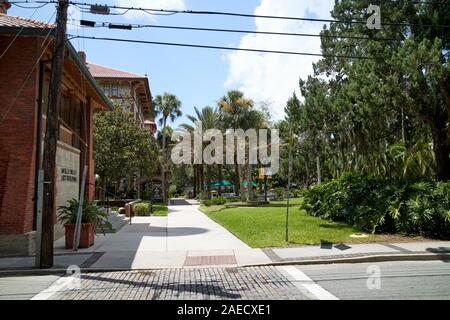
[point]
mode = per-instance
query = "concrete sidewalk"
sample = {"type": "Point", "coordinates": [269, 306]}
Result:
{"type": "Point", "coordinates": [188, 238]}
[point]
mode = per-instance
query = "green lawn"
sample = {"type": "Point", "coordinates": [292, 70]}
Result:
{"type": "Point", "coordinates": [159, 209]}
{"type": "Point", "coordinates": [265, 226]}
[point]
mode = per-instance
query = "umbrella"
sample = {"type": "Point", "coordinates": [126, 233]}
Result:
{"type": "Point", "coordinates": [253, 183]}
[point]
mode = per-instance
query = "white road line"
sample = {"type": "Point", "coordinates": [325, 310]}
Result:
{"type": "Point", "coordinates": [307, 283]}
{"type": "Point", "coordinates": [58, 285]}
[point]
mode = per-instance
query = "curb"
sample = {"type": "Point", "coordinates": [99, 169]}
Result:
{"type": "Point", "coordinates": [362, 259]}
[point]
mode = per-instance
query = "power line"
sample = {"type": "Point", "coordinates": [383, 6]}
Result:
{"type": "Point", "coordinates": [70, 37]}
{"type": "Point", "coordinates": [20, 30]}
{"type": "Point", "coordinates": [112, 25]}
{"type": "Point", "coordinates": [233, 14]}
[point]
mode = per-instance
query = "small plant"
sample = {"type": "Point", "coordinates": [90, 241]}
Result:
{"type": "Point", "coordinates": [173, 191]}
{"type": "Point", "coordinates": [90, 214]}
{"type": "Point", "coordinates": [207, 203]}
{"type": "Point", "coordinates": [141, 209]}
{"type": "Point", "coordinates": [203, 196]}
{"type": "Point", "coordinates": [280, 192]}
{"type": "Point", "coordinates": [218, 201]}
{"type": "Point", "coordinates": [233, 200]}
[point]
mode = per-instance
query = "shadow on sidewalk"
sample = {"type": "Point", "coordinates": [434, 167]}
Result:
{"type": "Point", "coordinates": [156, 231]}
{"type": "Point", "coordinates": [179, 202]}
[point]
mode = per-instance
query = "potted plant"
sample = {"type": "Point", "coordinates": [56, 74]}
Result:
{"type": "Point", "coordinates": [92, 218]}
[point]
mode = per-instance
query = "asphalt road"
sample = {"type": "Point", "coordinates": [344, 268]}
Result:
{"type": "Point", "coordinates": [388, 280]}
{"type": "Point", "coordinates": [398, 280]}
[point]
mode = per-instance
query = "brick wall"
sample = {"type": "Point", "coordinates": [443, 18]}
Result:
{"type": "Point", "coordinates": [17, 133]}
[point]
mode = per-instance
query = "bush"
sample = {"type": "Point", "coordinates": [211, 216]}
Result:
{"type": "Point", "coordinates": [207, 203]}
{"type": "Point", "coordinates": [141, 209]}
{"type": "Point", "coordinates": [233, 199]}
{"type": "Point", "coordinates": [173, 191]}
{"type": "Point", "coordinates": [217, 201]}
{"type": "Point", "coordinates": [203, 196]}
{"type": "Point", "coordinates": [375, 205]}
{"type": "Point", "coordinates": [280, 193]}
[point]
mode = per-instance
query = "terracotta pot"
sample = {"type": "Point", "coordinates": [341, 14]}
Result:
{"type": "Point", "coordinates": [87, 235]}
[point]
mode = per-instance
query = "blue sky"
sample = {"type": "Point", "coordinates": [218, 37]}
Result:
{"type": "Point", "coordinates": [200, 77]}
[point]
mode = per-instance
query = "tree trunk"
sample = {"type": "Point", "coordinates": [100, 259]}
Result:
{"type": "Point", "coordinates": [307, 173]}
{"type": "Point", "coordinates": [208, 181]}
{"type": "Point", "coordinates": [237, 186]}
{"type": "Point", "coordinates": [319, 176]}
{"type": "Point", "coordinates": [219, 167]}
{"type": "Point", "coordinates": [194, 173]}
{"type": "Point", "coordinates": [249, 182]}
{"type": "Point", "coordinates": [202, 178]}
{"type": "Point", "coordinates": [241, 183]}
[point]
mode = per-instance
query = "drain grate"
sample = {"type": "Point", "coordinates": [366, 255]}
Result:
{"type": "Point", "coordinates": [209, 261]}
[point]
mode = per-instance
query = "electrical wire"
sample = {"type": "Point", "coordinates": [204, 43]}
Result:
{"type": "Point", "coordinates": [70, 37]}
{"type": "Point", "coordinates": [233, 14]}
{"type": "Point", "coordinates": [104, 24]}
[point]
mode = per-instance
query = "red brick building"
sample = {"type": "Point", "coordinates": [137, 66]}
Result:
{"type": "Point", "coordinates": [26, 48]}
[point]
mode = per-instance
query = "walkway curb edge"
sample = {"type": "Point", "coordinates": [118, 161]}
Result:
{"type": "Point", "coordinates": [363, 259]}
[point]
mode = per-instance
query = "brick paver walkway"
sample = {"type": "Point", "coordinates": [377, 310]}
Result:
{"type": "Point", "coordinates": [192, 284]}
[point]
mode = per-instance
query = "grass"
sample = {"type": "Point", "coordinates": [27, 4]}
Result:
{"type": "Point", "coordinates": [159, 209]}
{"type": "Point", "coordinates": [265, 226]}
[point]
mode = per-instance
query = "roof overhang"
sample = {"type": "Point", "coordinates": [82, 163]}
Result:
{"type": "Point", "coordinates": [143, 90]}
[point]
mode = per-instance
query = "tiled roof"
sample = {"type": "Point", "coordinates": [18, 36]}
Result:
{"type": "Point", "coordinates": [19, 22]}
{"type": "Point", "coordinates": [98, 71]}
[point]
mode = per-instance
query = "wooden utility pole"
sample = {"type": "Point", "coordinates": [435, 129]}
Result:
{"type": "Point", "coordinates": [51, 136]}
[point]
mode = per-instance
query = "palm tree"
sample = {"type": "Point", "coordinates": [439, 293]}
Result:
{"type": "Point", "coordinates": [234, 109]}
{"type": "Point", "coordinates": [168, 107]}
{"type": "Point", "coordinates": [237, 112]}
{"type": "Point", "coordinates": [209, 118]}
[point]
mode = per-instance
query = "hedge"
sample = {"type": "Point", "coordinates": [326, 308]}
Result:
{"type": "Point", "coordinates": [384, 206]}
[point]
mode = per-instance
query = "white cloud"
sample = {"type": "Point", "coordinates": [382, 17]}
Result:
{"type": "Point", "coordinates": [274, 77]}
{"type": "Point", "coordinates": [150, 4]}
{"type": "Point", "coordinates": [74, 16]}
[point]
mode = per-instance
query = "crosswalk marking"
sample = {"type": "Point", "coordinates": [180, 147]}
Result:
{"type": "Point", "coordinates": [300, 278]}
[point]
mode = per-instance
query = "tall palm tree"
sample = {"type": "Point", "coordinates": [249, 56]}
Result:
{"type": "Point", "coordinates": [237, 112]}
{"type": "Point", "coordinates": [233, 111]}
{"type": "Point", "coordinates": [209, 117]}
{"type": "Point", "coordinates": [168, 107]}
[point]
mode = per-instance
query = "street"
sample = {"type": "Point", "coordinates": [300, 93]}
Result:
{"type": "Point", "coordinates": [398, 280]}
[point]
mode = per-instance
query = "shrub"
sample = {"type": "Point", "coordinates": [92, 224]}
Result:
{"type": "Point", "coordinates": [141, 209]}
{"type": "Point", "coordinates": [207, 203]}
{"type": "Point", "coordinates": [203, 196]}
{"type": "Point", "coordinates": [375, 205]}
{"type": "Point", "coordinates": [217, 201]}
{"type": "Point", "coordinates": [280, 193]}
{"type": "Point", "coordinates": [173, 191]}
{"type": "Point", "coordinates": [233, 200]}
